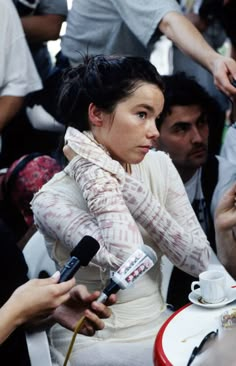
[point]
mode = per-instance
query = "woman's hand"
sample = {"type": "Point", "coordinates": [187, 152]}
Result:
{"type": "Point", "coordinates": [68, 152]}
{"type": "Point", "coordinates": [82, 303]}
{"type": "Point", "coordinates": [36, 298]}
{"type": "Point", "coordinates": [89, 150]}
{"type": "Point", "coordinates": [39, 297]}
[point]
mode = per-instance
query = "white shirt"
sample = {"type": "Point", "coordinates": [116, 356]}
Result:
{"type": "Point", "coordinates": [18, 75]}
{"type": "Point", "coordinates": [108, 27]}
{"type": "Point", "coordinates": [195, 194]}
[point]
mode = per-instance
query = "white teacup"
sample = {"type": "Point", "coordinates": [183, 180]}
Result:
{"type": "Point", "coordinates": [212, 286]}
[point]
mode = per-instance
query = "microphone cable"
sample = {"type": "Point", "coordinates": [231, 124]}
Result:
{"type": "Point", "coordinates": [78, 326]}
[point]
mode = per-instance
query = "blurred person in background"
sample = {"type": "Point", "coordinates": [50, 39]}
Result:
{"type": "Point", "coordinates": [18, 75]}
{"type": "Point", "coordinates": [186, 124]}
{"type": "Point", "coordinates": [205, 15]}
{"type": "Point", "coordinates": [132, 28]}
{"type": "Point", "coordinates": [42, 21]}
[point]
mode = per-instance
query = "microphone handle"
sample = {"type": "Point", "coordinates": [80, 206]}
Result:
{"type": "Point", "coordinates": [69, 269]}
{"type": "Point", "coordinates": [112, 288]}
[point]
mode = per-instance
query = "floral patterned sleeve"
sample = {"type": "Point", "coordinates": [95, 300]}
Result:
{"type": "Point", "coordinates": [59, 219]}
{"type": "Point", "coordinates": [175, 228]}
{"type": "Point", "coordinates": [105, 202]}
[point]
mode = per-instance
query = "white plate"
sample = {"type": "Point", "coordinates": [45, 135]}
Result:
{"type": "Point", "coordinates": [195, 298]}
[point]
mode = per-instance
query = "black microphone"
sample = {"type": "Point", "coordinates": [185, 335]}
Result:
{"type": "Point", "coordinates": [81, 255]}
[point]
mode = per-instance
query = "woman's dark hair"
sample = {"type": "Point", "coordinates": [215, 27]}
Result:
{"type": "Point", "coordinates": [103, 81]}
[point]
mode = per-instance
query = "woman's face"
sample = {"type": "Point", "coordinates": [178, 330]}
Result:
{"type": "Point", "coordinates": [129, 132]}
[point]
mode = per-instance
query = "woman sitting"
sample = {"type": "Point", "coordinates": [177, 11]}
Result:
{"type": "Point", "coordinates": [123, 194]}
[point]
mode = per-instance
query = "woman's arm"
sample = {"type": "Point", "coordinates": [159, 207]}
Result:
{"type": "Point", "coordinates": [59, 217]}
{"type": "Point", "coordinates": [174, 227]}
{"type": "Point", "coordinates": [36, 297]}
{"type": "Point", "coordinates": [66, 303]}
{"type": "Point", "coordinates": [102, 192]}
{"type": "Point", "coordinates": [225, 228]}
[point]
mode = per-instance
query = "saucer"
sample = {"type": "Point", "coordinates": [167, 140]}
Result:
{"type": "Point", "coordinates": [195, 298]}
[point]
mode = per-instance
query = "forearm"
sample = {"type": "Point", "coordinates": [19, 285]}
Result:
{"type": "Point", "coordinates": [60, 219]}
{"type": "Point", "coordinates": [42, 28]}
{"type": "Point", "coordinates": [10, 320]}
{"type": "Point", "coordinates": [187, 38]}
{"type": "Point", "coordinates": [9, 107]}
{"type": "Point", "coordinates": [185, 245]}
{"type": "Point", "coordinates": [105, 201]}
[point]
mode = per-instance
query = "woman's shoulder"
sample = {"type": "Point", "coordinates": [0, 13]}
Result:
{"type": "Point", "coordinates": [61, 183]}
{"type": "Point", "coordinates": [156, 159]}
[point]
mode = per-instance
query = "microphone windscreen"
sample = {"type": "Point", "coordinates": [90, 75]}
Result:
{"type": "Point", "coordinates": [85, 250]}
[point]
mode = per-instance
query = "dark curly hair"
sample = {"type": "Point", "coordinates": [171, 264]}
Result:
{"type": "Point", "coordinates": [183, 90]}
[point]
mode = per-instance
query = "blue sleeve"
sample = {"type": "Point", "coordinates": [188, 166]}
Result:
{"type": "Point", "coordinates": [58, 7]}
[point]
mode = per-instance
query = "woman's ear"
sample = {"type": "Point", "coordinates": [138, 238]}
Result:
{"type": "Point", "coordinates": [95, 115]}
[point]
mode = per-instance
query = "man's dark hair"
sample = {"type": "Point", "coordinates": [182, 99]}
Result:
{"type": "Point", "coordinates": [183, 90]}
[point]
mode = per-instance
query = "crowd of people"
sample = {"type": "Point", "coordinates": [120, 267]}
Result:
{"type": "Point", "coordinates": [97, 142]}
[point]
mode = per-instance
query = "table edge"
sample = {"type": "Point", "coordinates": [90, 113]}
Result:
{"type": "Point", "coordinates": [161, 359]}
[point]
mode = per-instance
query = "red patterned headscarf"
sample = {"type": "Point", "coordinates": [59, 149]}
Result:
{"type": "Point", "coordinates": [25, 177]}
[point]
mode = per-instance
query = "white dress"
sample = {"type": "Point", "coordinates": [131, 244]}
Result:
{"type": "Point", "coordinates": [129, 333]}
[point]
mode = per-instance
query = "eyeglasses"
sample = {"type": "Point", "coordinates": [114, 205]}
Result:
{"type": "Point", "coordinates": [201, 347]}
